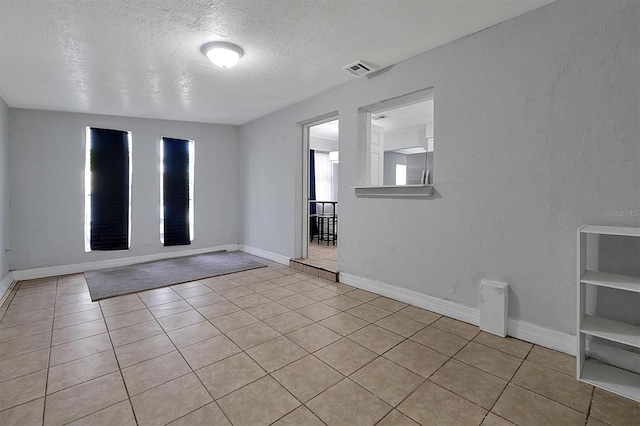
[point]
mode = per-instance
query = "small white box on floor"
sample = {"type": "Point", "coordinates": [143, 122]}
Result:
{"type": "Point", "coordinates": [494, 307]}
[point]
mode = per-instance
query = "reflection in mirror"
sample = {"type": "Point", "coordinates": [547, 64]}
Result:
{"type": "Point", "coordinates": [401, 144]}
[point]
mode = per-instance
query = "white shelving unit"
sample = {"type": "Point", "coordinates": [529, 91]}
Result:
{"type": "Point", "coordinates": [608, 377]}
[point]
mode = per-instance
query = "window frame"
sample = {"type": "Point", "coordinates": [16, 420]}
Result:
{"type": "Point", "coordinates": [88, 188]}
{"type": "Point", "coordinates": [192, 151]}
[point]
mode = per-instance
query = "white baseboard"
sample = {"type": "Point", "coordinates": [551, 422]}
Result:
{"type": "Point", "coordinates": [5, 286]}
{"type": "Point", "coordinates": [52, 271]}
{"type": "Point", "coordinates": [421, 300]}
{"type": "Point", "coordinates": [523, 330]}
{"type": "Point", "coordinates": [275, 257]}
{"type": "Point", "coordinates": [543, 336]}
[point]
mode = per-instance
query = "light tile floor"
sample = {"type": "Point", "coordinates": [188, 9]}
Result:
{"type": "Point", "coordinates": [273, 346]}
{"type": "Point", "coordinates": [322, 256]}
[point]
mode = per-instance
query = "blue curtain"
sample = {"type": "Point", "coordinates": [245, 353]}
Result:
{"type": "Point", "coordinates": [313, 224]}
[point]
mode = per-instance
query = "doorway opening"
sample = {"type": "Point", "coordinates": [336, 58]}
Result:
{"type": "Point", "coordinates": [321, 210]}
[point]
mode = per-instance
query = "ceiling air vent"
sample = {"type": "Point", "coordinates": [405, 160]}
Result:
{"type": "Point", "coordinates": [360, 68]}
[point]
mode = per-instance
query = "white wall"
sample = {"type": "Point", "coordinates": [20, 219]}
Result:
{"type": "Point", "coordinates": [4, 192]}
{"type": "Point", "coordinates": [47, 151]}
{"type": "Point", "coordinates": [405, 139]}
{"type": "Point", "coordinates": [537, 130]}
{"type": "Point", "coordinates": [322, 144]}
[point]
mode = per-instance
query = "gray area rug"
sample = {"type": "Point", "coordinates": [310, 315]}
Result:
{"type": "Point", "coordinates": [145, 276]}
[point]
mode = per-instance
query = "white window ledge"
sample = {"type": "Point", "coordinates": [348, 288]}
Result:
{"type": "Point", "coordinates": [394, 191]}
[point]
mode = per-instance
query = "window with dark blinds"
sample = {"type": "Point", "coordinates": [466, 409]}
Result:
{"type": "Point", "coordinates": [176, 191]}
{"type": "Point", "coordinates": [109, 188]}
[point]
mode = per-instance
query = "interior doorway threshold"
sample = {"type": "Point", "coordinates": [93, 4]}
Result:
{"type": "Point", "coordinates": [303, 266]}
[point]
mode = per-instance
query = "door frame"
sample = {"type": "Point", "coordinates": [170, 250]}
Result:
{"type": "Point", "coordinates": [306, 127]}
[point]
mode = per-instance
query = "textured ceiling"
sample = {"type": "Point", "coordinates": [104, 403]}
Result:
{"type": "Point", "coordinates": [141, 58]}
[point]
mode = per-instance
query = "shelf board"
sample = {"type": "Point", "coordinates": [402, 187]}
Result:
{"type": "Point", "coordinates": [605, 279]}
{"type": "Point", "coordinates": [394, 191]}
{"type": "Point", "coordinates": [614, 331]}
{"type": "Point", "coordinates": [613, 379]}
{"type": "Point", "coordinates": [624, 231]}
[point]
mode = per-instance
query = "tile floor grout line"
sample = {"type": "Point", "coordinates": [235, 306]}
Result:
{"type": "Point", "coordinates": [547, 398]}
{"type": "Point", "coordinates": [593, 392]}
{"type": "Point", "coordinates": [285, 415]}
{"type": "Point", "coordinates": [25, 374]}
{"type": "Point", "coordinates": [78, 384]}
{"type": "Point", "coordinates": [459, 396]}
{"type": "Point", "coordinates": [500, 350]}
{"type": "Point", "coordinates": [78, 359]}
{"type": "Point", "coordinates": [4, 315]}
{"type": "Point", "coordinates": [135, 325]}
{"type": "Point", "coordinates": [279, 368]}
{"type": "Point", "coordinates": [199, 408]}
{"type": "Point", "coordinates": [289, 392]}
{"type": "Point", "coordinates": [412, 392]}
{"type": "Point", "coordinates": [25, 402]}
{"type": "Point", "coordinates": [139, 362]}
{"type": "Point", "coordinates": [390, 360]}
{"type": "Point", "coordinates": [155, 386]}
{"type": "Point", "coordinates": [298, 399]}
{"type": "Point", "coordinates": [364, 389]}
{"type": "Point", "coordinates": [394, 407]}
{"type": "Point", "coordinates": [25, 336]}
{"type": "Point", "coordinates": [8, 301]}
{"type": "Point", "coordinates": [94, 412]}
{"type": "Point", "coordinates": [79, 312]}
{"type": "Point", "coordinates": [312, 412]}
{"type": "Point", "coordinates": [46, 388]}
{"type": "Point", "coordinates": [28, 352]}
{"type": "Point", "coordinates": [507, 384]}
{"type": "Point", "coordinates": [544, 396]}
{"type": "Point", "coordinates": [488, 372]}
{"type": "Point", "coordinates": [451, 357]}
{"type": "Point", "coordinates": [237, 389]}
{"type": "Point", "coordinates": [46, 383]}
{"type": "Point", "coordinates": [79, 338]}
{"type": "Point", "coordinates": [124, 383]}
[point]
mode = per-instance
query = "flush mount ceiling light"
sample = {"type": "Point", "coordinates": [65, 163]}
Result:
{"type": "Point", "coordinates": [222, 53]}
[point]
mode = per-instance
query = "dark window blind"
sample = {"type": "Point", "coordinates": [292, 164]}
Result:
{"type": "Point", "coordinates": [175, 187]}
{"type": "Point", "coordinates": [109, 163]}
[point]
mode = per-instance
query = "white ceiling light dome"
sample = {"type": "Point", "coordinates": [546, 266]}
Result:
{"type": "Point", "coordinates": [223, 54]}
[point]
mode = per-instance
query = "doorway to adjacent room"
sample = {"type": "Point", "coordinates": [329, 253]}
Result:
{"type": "Point", "coordinates": [321, 218]}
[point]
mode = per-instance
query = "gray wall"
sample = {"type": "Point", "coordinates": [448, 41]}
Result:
{"type": "Point", "coordinates": [405, 138]}
{"type": "Point", "coordinates": [537, 133]}
{"type": "Point", "coordinates": [4, 191]}
{"type": "Point", "coordinates": [47, 151]}
{"type": "Point", "coordinates": [390, 160]}
{"type": "Point", "coordinates": [322, 144]}
{"type": "Point", "coordinates": [416, 163]}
